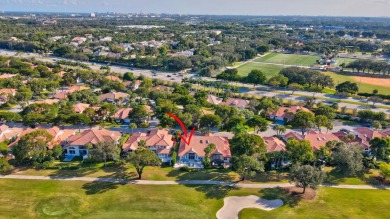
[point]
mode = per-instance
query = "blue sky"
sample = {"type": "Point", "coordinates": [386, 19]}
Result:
{"type": "Point", "coordinates": [376, 8]}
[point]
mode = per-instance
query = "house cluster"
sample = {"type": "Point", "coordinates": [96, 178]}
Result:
{"type": "Point", "coordinates": [75, 143]}
{"type": "Point", "coordinates": [361, 136]}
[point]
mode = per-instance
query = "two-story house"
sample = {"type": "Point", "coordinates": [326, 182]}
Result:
{"type": "Point", "coordinates": [158, 140]}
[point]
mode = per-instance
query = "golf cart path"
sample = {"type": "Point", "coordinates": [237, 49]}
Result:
{"type": "Point", "coordinates": [183, 182]}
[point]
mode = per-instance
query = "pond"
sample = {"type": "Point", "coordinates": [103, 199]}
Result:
{"type": "Point", "coordinates": [243, 90]}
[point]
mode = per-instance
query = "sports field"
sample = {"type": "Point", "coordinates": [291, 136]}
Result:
{"type": "Point", "coordinates": [366, 85]}
{"type": "Point", "coordinates": [289, 59]}
{"type": "Point", "coordinates": [268, 69]}
{"type": "Point", "coordinates": [297, 60]}
{"type": "Point", "coordinates": [76, 199]}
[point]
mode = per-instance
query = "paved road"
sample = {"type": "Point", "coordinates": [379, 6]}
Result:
{"type": "Point", "coordinates": [175, 77]}
{"type": "Point", "coordinates": [182, 182]}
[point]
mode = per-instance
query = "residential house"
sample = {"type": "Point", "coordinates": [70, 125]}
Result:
{"type": "Point", "coordinates": [76, 145]}
{"type": "Point", "coordinates": [133, 85]}
{"type": "Point", "coordinates": [113, 78]}
{"type": "Point", "coordinates": [318, 140]}
{"type": "Point", "coordinates": [214, 99]}
{"type": "Point", "coordinates": [287, 113]}
{"type": "Point", "coordinates": [80, 107]}
{"type": "Point", "coordinates": [274, 144]}
{"type": "Point", "coordinates": [236, 102]}
{"type": "Point", "coordinates": [7, 76]}
{"type": "Point", "coordinates": [79, 40]}
{"type": "Point", "coordinates": [193, 154]}
{"type": "Point", "coordinates": [113, 97]}
{"type": "Point", "coordinates": [159, 88]}
{"type": "Point", "coordinates": [6, 93]}
{"type": "Point", "coordinates": [122, 115]}
{"type": "Point", "coordinates": [158, 140]}
{"type": "Point", "coordinates": [9, 134]}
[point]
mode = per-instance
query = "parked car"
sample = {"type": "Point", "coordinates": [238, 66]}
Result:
{"type": "Point", "coordinates": [168, 76]}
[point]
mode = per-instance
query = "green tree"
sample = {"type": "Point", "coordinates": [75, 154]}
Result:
{"type": "Point", "coordinates": [143, 157]}
{"type": "Point", "coordinates": [5, 167]}
{"type": "Point", "coordinates": [255, 77]}
{"type": "Point", "coordinates": [210, 121]}
{"type": "Point", "coordinates": [207, 157]}
{"type": "Point", "coordinates": [248, 166]}
{"type": "Point", "coordinates": [348, 87]}
{"type": "Point", "coordinates": [32, 147]}
{"type": "Point", "coordinates": [247, 144]}
{"type": "Point", "coordinates": [321, 121]}
{"type": "Point", "coordinates": [280, 129]}
{"type": "Point", "coordinates": [348, 159]}
{"type": "Point", "coordinates": [260, 123]}
{"type": "Point", "coordinates": [376, 124]}
{"type": "Point", "coordinates": [326, 111]}
{"type": "Point", "coordinates": [4, 148]}
{"type": "Point", "coordinates": [294, 87]}
{"type": "Point", "coordinates": [128, 76]}
{"type": "Point", "coordinates": [385, 169]}
{"type": "Point", "coordinates": [305, 176]}
{"type": "Point", "coordinates": [139, 113]}
{"type": "Point", "coordinates": [133, 126]}
{"type": "Point", "coordinates": [303, 120]}
{"type": "Point", "coordinates": [103, 151]}
{"type": "Point", "coordinates": [299, 151]}
{"type": "Point", "coordinates": [380, 148]}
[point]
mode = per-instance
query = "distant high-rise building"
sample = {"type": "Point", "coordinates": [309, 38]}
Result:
{"type": "Point", "coordinates": [93, 14]}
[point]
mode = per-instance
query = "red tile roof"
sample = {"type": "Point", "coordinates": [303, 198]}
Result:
{"type": "Point", "coordinates": [289, 112]}
{"type": "Point", "coordinates": [93, 136]}
{"type": "Point", "coordinates": [113, 78]}
{"type": "Point", "coordinates": [320, 139]}
{"type": "Point", "coordinates": [214, 99]}
{"type": "Point", "coordinates": [199, 143]}
{"type": "Point", "coordinates": [61, 95]}
{"type": "Point", "coordinates": [274, 144]}
{"type": "Point", "coordinates": [157, 137]}
{"type": "Point", "coordinates": [236, 102]}
{"type": "Point", "coordinates": [122, 113]}
{"type": "Point", "coordinates": [80, 107]}
{"type": "Point", "coordinates": [113, 96]}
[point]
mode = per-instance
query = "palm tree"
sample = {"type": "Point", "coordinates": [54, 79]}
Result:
{"type": "Point", "coordinates": [132, 126]}
{"type": "Point", "coordinates": [279, 129]}
{"type": "Point", "coordinates": [142, 143]}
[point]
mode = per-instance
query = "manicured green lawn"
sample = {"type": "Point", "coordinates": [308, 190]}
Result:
{"type": "Point", "coordinates": [267, 69]}
{"type": "Point", "coordinates": [75, 199]}
{"type": "Point", "coordinates": [289, 59]}
{"type": "Point", "coordinates": [331, 203]}
{"type": "Point", "coordinates": [129, 172]}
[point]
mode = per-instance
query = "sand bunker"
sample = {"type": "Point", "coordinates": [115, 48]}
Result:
{"type": "Point", "coordinates": [234, 204]}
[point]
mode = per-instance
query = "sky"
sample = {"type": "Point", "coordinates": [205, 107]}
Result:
{"type": "Point", "coordinates": [361, 8]}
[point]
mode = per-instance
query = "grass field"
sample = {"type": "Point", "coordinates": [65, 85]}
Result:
{"type": "Point", "coordinates": [289, 59]}
{"type": "Point", "coordinates": [267, 69]}
{"type": "Point", "coordinates": [363, 87]}
{"type": "Point", "coordinates": [73, 199]}
{"type": "Point", "coordinates": [332, 203]}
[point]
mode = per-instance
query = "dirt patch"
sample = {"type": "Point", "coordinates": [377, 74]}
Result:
{"type": "Point", "coordinates": [309, 194]}
{"type": "Point", "coordinates": [373, 81]}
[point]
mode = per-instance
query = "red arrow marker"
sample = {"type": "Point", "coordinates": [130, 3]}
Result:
{"type": "Point", "coordinates": [183, 127]}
